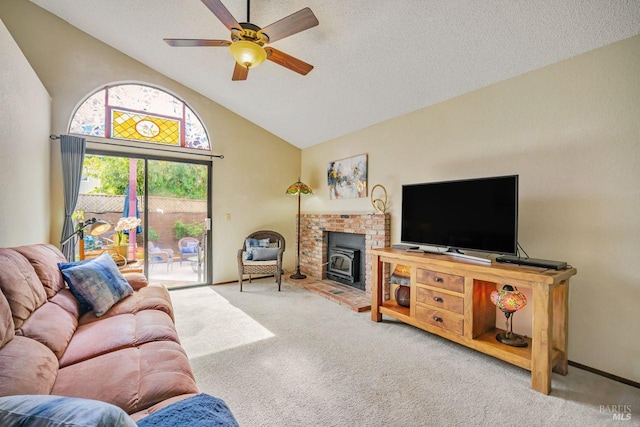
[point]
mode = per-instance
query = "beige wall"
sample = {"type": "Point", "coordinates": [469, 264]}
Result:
{"type": "Point", "coordinates": [249, 183]}
{"type": "Point", "coordinates": [24, 149]}
{"type": "Point", "coordinates": [572, 133]}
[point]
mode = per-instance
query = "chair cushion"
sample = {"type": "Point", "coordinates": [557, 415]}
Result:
{"type": "Point", "coordinates": [258, 263]}
{"type": "Point", "coordinates": [254, 243]}
{"type": "Point", "coordinates": [260, 243]}
{"type": "Point", "coordinates": [57, 411]}
{"type": "Point", "coordinates": [99, 282]}
{"type": "Point", "coordinates": [190, 248]}
{"type": "Point", "coordinates": [264, 254]}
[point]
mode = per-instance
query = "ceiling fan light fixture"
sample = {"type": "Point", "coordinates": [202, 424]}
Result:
{"type": "Point", "coordinates": [247, 53]}
{"type": "Point", "coordinates": [248, 40]}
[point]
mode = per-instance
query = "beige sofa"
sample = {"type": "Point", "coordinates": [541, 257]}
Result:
{"type": "Point", "coordinates": [130, 356]}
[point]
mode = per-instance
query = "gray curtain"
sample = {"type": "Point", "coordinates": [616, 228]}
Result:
{"type": "Point", "coordinates": [72, 149]}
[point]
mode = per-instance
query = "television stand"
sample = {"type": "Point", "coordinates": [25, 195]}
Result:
{"type": "Point", "coordinates": [458, 254]}
{"type": "Point", "coordinates": [451, 298]}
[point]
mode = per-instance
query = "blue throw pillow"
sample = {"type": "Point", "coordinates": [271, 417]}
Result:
{"type": "Point", "coordinates": [63, 266]}
{"type": "Point", "coordinates": [57, 411]}
{"type": "Point", "coordinates": [98, 282]}
{"type": "Point", "coordinates": [254, 243]}
{"type": "Point", "coordinates": [201, 410]}
{"type": "Point", "coordinates": [264, 254]}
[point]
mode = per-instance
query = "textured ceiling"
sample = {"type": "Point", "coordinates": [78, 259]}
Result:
{"type": "Point", "coordinates": [374, 60]}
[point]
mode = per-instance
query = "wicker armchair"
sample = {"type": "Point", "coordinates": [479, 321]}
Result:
{"type": "Point", "coordinates": [160, 256]}
{"type": "Point", "coordinates": [261, 267]}
{"type": "Point", "coordinates": [188, 248]}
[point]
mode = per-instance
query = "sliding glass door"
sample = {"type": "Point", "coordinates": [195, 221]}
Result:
{"type": "Point", "coordinates": [177, 222]}
{"type": "Point", "coordinates": [171, 200]}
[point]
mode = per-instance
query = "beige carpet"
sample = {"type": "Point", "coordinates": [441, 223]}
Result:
{"type": "Point", "coordinates": [293, 358]}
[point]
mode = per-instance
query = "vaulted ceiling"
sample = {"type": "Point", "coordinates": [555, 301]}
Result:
{"type": "Point", "coordinates": [374, 60]}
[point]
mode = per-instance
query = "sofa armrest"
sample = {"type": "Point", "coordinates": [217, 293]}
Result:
{"type": "Point", "coordinates": [136, 280]}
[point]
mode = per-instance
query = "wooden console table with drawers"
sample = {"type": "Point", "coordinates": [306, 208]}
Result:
{"type": "Point", "coordinates": [450, 298]}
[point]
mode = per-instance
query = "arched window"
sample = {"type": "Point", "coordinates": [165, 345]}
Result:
{"type": "Point", "coordinates": [137, 112]}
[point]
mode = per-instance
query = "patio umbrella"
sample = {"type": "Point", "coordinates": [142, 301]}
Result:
{"type": "Point", "coordinates": [126, 210]}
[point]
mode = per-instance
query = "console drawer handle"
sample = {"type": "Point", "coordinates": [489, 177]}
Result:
{"type": "Point", "coordinates": [438, 319]}
{"type": "Point", "coordinates": [438, 299]}
{"type": "Point", "coordinates": [438, 279]}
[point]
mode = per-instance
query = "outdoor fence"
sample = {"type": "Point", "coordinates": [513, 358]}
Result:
{"type": "Point", "coordinates": [164, 213]}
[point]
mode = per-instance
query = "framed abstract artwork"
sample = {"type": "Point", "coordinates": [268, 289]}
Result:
{"type": "Point", "coordinates": [347, 178]}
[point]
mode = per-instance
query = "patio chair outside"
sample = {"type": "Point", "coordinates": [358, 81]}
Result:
{"type": "Point", "coordinates": [160, 256]}
{"type": "Point", "coordinates": [188, 247]}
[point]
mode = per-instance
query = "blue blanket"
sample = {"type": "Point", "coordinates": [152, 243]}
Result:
{"type": "Point", "coordinates": [201, 410]}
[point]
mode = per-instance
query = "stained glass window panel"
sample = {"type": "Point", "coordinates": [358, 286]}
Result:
{"type": "Point", "coordinates": [195, 134]}
{"type": "Point", "coordinates": [143, 113]}
{"type": "Point", "coordinates": [145, 98]}
{"type": "Point", "coordinates": [89, 117]}
{"type": "Point", "coordinates": [145, 128]}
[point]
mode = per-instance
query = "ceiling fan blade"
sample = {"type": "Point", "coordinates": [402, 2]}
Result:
{"type": "Point", "coordinates": [240, 72]}
{"type": "Point", "coordinates": [196, 42]}
{"type": "Point", "coordinates": [288, 61]}
{"type": "Point", "coordinates": [292, 24]}
{"type": "Point", "coordinates": [222, 13]}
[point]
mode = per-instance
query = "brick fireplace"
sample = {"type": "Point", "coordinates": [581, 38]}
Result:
{"type": "Point", "coordinates": [314, 229]}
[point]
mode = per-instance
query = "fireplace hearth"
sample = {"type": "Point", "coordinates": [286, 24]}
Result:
{"type": "Point", "coordinates": [374, 229]}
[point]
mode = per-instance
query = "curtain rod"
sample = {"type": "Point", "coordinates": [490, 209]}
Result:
{"type": "Point", "coordinates": [219, 156]}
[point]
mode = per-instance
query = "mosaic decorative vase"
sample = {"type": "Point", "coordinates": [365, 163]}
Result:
{"type": "Point", "coordinates": [403, 295]}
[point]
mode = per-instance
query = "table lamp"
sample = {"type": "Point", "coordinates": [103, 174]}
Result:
{"type": "Point", "coordinates": [509, 300]}
{"type": "Point", "coordinates": [98, 226]}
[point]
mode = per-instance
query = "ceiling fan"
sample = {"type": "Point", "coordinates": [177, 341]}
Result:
{"type": "Point", "coordinates": [248, 41]}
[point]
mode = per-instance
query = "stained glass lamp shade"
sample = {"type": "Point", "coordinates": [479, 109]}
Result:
{"type": "Point", "coordinates": [296, 189]}
{"type": "Point", "coordinates": [509, 300]}
{"type": "Point", "coordinates": [299, 188]}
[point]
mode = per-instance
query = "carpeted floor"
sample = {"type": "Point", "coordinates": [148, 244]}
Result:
{"type": "Point", "coordinates": [293, 358]}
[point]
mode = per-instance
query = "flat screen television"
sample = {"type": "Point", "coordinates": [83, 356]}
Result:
{"type": "Point", "coordinates": [473, 214]}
